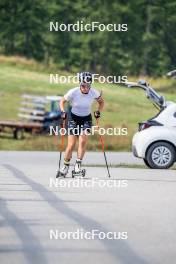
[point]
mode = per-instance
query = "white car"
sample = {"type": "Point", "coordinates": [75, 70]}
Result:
{"type": "Point", "coordinates": [155, 142]}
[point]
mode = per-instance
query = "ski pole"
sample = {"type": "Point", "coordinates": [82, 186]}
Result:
{"type": "Point", "coordinates": [103, 149]}
{"type": "Point", "coordinates": [61, 146]}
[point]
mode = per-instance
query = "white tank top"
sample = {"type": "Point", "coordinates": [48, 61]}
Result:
{"type": "Point", "coordinates": [81, 103]}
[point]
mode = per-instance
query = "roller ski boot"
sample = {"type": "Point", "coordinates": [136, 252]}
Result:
{"type": "Point", "coordinates": [63, 172]}
{"type": "Point", "coordinates": [78, 172]}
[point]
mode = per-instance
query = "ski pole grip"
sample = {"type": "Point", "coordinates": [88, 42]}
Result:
{"type": "Point", "coordinates": [97, 114]}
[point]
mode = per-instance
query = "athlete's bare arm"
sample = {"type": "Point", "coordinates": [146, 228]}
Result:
{"type": "Point", "coordinates": [62, 104]}
{"type": "Point", "coordinates": [100, 102]}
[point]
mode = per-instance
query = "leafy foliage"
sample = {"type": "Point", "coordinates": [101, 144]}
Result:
{"type": "Point", "coordinates": [148, 47]}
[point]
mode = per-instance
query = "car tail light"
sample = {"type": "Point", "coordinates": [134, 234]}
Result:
{"type": "Point", "coordinates": [143, 126]}
{"type": "Point", "coordinates": [147, 124]}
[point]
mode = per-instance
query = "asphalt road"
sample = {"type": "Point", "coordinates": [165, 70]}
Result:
{"type": "Point", "coordinates": [41, 219]}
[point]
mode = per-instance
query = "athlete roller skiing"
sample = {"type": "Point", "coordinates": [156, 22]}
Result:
{"type": "Point", "coordinates": [80, 118]}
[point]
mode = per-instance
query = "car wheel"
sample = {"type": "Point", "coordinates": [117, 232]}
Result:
{"type": "Point", "coordinates": [146, 163]}
{"type": "Point", "coordinates": [18, 134]}
{"type": "Point", "coordinates": [161, 155]}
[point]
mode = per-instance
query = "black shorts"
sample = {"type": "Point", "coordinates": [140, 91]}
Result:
{"type": "Point", "coordinates": [79, 124]}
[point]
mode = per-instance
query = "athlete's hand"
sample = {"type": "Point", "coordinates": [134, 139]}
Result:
{"type": "Point", "coordinates": [97, 114]}
{"type": "Point", "coordinates": [63, 115]}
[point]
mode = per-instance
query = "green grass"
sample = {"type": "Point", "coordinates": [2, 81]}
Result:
{"type": "Point", "coordinates": [123, 108]}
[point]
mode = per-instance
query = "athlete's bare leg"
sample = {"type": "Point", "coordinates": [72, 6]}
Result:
{"type": "Point", "coordinates": [70, 147]}
{"type": "Point", "coordinates": [82, 146]}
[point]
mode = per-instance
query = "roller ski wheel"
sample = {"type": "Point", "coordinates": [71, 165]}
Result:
{"type": "Point", "coordinates": [60, 175]}
{"type": "Point", "coordinates": [81, 173]}
{"type": "Point", "coordinates": [63, 172]}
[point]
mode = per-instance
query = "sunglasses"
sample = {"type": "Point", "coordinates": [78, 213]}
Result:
{"type": "Point", "coordinates": [84, 86]}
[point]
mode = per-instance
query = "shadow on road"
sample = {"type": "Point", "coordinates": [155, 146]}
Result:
{"type": "Point", "coordinates": [33, 251]}
{"type": "Point", "coordinates": [119, 249]}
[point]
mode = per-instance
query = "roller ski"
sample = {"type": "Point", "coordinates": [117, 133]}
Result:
{"type": "Point", "coordinates": [63, 172]}
{"type": "Point", "coordinates": [78, 172]}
